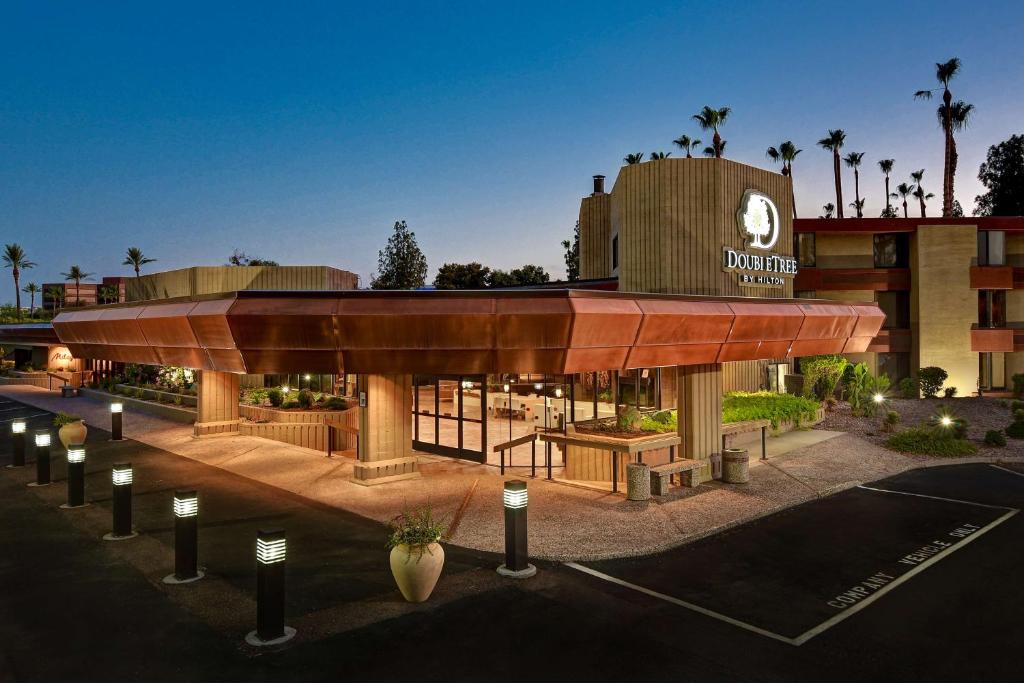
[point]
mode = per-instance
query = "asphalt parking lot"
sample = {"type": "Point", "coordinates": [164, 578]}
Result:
{"type": "Point", "coordinates": [914, 576]}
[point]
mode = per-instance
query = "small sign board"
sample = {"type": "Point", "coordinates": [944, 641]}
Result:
{"type": "Point", "coordinates": [362, 399]}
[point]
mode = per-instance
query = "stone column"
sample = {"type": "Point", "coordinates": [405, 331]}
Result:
{"type": "Point", "coordinates": [699, 390]}
{"type": "Point", "coordinates": [385, 430]}
{"type": "Point", "coordinates": [217, 404]}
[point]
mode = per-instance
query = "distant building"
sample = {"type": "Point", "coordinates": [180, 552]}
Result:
{"type": "Point", "coordinates": [86, 294]}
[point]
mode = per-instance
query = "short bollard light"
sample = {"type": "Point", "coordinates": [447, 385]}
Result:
{"type": "Point", "coordinates": [116, 421]}
{"type": "Point", "coordinates": [42, 458]}
{"type": "Point", "coordinates": [121, 477]}
{"type": "Point", "coordinates": [18, 443]}
{"type": "Point", "coordinates": [76, 476]}
{"type": "Point", "coordinates": [186, 539]}
{"type": "Point", "coordinates": [517, 565]}
{"type": "Point", "coordinates": [271, 553]}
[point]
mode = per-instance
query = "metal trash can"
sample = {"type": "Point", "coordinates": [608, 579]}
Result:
{"type": "Point", "coordinates": [735, 466]}
{"type": "Point", "coordinates": [638, 481]}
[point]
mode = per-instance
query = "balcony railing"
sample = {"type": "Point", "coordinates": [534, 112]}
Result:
{"type": "Point", "coordinates": [891, 341]}
{"type": "Point", "coordinates": [997, 339]}
{"type": "Point", "coordinates": [992, 277]}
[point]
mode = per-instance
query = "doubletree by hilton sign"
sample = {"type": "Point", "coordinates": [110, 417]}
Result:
{"type": "Point", "coordinates": [758, 222]}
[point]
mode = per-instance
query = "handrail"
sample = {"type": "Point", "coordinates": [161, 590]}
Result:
{"type": "Point", "coordinates": [526, 438]}
{"type": "Point", "coordinates": [343, 427]}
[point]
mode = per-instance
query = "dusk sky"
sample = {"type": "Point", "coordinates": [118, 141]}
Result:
{"type": "Point", "coordinates": [300, 132]}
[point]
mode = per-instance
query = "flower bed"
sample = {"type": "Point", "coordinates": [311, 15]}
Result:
{"type": "Point", "coordinates": [158, 395]}
{"type": "Point", "coordinates": [780, 409]}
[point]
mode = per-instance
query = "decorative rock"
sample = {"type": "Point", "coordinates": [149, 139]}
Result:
{"type": "Point", "coordinates": [638, 481]}
{"type": "Point", "coordinates": [735, 466]}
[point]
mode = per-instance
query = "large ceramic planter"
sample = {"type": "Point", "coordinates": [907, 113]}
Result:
{"type": "Point", "coordinates": [416, 569]}
{"type": "Point", "coordinates": [73, 432]}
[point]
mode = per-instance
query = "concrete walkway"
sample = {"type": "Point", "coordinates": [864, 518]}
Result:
{"type": "Point", "coordinates": [566, 522]}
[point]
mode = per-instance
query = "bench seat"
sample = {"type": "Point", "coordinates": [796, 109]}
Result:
{"type": "Point", "coordinates": [661, 474]}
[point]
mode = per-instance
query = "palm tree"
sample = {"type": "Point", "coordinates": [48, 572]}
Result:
{"type": "Point", "coordinates": [659, 155]}
{"type": "Point", "coordinates": [885, 165]}
{"type": "Point", "coordinates": [904, 191]}
{"type": "Point", "coordinates": [136, 259]}
{"type": "Point", "coordinates": [919, 192]}
{"type": "Point", "coordinates": [686, 143]}
{"type": "Point", "coordinates": [712, 119]}
{"type": "Point", "coordinates": [107, 293]}
{"type": "Point", "coordinates": [833, 143]}
{"type": "Point", "coordinates": [15, 259]}
{"type": "Point", "coordinates": [710, 151]}
{"type": "Point", "coordinates": [952, 117]}
{"type": "Point", "coordinates": [31, 289]}
{"type": "Point", "coordinates": [634, 158]}
{"type": "Point", "coordinates": [785, 153]}
{"type": "Point", "coordinates": [853, 160]}
{"type": "Point", "coordinates": [77, 274]}
{"type": "Point", "coordinates": [829, 209]}
{"type": "Point", "coordinates": [54, 293]}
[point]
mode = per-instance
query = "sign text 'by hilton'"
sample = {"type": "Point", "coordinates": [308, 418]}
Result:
{"type": "Point", "coordinates": [758, 223]}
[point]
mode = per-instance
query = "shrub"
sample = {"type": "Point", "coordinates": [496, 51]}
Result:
{"type": "Point", "coordinates": [1018, 385]}
{"type": "Point", "coordinates": [62, 418]}
{"type": "Point", "coordinates": [863, 388]}
{"type": "Point", "coordinates": [949, 392]}
{"type": "Point", "coordinates": [957, 426]}
{"type": "Point", "coordinates": [275, 397]}
{"type": "Point", "coordinates": [931, 380]}
{"type": "Point", "coordinates": [929, 441]}
{"type": "Point", "coordinates": [256, 397]}
{"type": "Point", "coordinates": [305, 399]}
{"type": "Point", "coordinates": [416, 529]}
{"type": "Point", "coordinates": [177, 400]}
{"type": "Point", "coordinates": [335, 403]}
{"type": "Point", "coordinates": [740, 406]}
{"type": "Point", "coordinates": [1015, 406]}
{"type": "Point", "coordinates": [662, 421]}
{"type": "Point", "coordinates": [290, 403]}
{"type": "Point", "coordinates": [892, 418]}
{"type": "Point", "coordinates": [909, 388]}
{"type": "Point", "coordinates": [995, 437]}
{"type": "Point", "coordinates": [629, 420]}
{"type": "Point", "coordinates": [830, 403]}
{"type": "Point", "coordinates": [664, 416]}
{"type": "Point", "coordinates": [822, 374]}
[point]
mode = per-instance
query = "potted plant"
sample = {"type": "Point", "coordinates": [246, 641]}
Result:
{"type": "Point", "coordinates": [70, 428]}
{"type": "Point", "coordinates": [416, 555]}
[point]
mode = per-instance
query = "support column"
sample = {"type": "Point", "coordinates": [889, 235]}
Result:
{"type": "Point", "coordinates": [699, 394]}
{"type": "Point", "coordinates": [217, 404]}
{"type": "Point", "coordinates": [385, 430]}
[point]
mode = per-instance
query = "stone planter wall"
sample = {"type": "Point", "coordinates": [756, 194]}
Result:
{"type": "Point", "coordinates": [306, 428]}
{"type": "Point", "coordinates": [175, 413]}
{"type": "Point", "coordinates": [187, 400]}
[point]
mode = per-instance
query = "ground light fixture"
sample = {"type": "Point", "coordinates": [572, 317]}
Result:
{"type": "Point", "coordinates": [538, 386]}
{"type": "Point", "coordinates": [271, 556]}
{"type": "Point", "coordinates": [507, 388]}
{"type": "Point", "coordinates": [116, 416]}
{"type": "Point", "coordinates": [186, 538]}
{"type": "Point", "coordinates": [121, 476]}
{"type": "Point", "coordinates": [558, 392]}
{"type": "Point", "coordinates": [516, 499]}
{"type": "Point", "coordinates": [285, 388]}
{"type": "Point", "coordinates": [879, 398]}
{"type": "Point", "coordinates": [76, 476]}
{"type": "Point", "coordinates": [18, 428]}
{"type": "Point", "coordinates": [42, 439]}
{"type": "Point", "coordinates": [945, 421]}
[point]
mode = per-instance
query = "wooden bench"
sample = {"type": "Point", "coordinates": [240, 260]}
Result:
{"type": "Point", "coordinates": [661, 475]}
{"type": "Point", "coordinates": [731, 429]}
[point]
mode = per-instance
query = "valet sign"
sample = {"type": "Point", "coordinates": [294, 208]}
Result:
{"type": "Point", "coordinates": [758, 222]}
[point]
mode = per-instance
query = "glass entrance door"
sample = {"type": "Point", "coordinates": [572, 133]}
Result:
{"type": "Point", "coordinates": [450, 415]}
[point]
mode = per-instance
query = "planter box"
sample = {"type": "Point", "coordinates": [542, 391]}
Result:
{"type": "Point", "coordinates": [175, 413]}
{"type": "Point", "coordinates": [168, 397]}
{"type": "Point", "coordinates": [306, 428]}
{"type": "Point", "coordinates": [584, 463]}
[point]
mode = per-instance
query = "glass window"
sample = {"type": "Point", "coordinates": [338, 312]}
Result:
{"type": "Point", "coordinates": [896, 306]}
{"type": "Point", "coordinates": [992, 307]}
{"type": "Point", "coordinates": [892, 250]}
{"type": "Point", "coordinates": [991, 248]}
{"type": "Point", "coordinates": [615, 252]}
{"type": "Point", "coordinates": [803, 249]}
{"type": "Point", "coordinates": [895, 365]}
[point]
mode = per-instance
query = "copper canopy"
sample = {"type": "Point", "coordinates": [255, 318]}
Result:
{"type": "Point", "coordinates": [458, 332]}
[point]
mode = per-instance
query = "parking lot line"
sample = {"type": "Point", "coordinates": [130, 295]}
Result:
{"type": "Point", "coordinates": [947, 500]}
{"type": "Point", "coordinates": [1006, 469]}
{"type": "Point", "coordinates": [24, 417]}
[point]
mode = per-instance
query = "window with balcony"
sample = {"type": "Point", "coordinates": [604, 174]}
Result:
{"type": "Point", "coordinates": [992, 308]}
{"type": "Point", "coordinates": [892, 250]}
{"type": "Point", "coordinates": [896, 306]}
{"type": "Point", "coordinates": [991, 248]}
{"type": "Point", "coordinates": [803, 249]}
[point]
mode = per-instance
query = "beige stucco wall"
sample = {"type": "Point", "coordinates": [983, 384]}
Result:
{"type": "Point", "coordinates": [216, 279]}
{"type": "Point", "coordinates": [595, 237]}
{"type": "Point", "coordinates": [844, 250]}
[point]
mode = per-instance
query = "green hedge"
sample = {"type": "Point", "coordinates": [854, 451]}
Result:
{"type": "Point", "coordinates": [930, 441]}
{"type": "Point", "coordinates": [740, 406]}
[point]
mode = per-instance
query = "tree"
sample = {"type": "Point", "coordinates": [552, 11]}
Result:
{"type": "Point", "coordinates": [530, 275]}
{"type": "Point", "coordinates": [885, 166]}
{"type": "Point", "coordinates": [660, 155]}
{"type": "Point", "coordinates": [633, 158]}
{"type": "Point", "coordinates": [239, 258]}
{"type": "Point", "coordinates": [31, 289]}
{"type": "Point", "coordinates": [55, 294]}
{"type": "Point", "coordinates": [686, 143]}
{"type": "Point", "coordinates": [713, 119]}
{"type": "Point", "coordinates": [710, 151]}
{"type": "Point", "coordinates": [853, 160]}
{"type": "Point", "coordinates": [462, 276]}
{"type": "Point", "coordinates": [500, 279]}
{"type": "Point", "coordinates": [136, 259]}
{"type": "Point", "coordinates": [572, 255]}
{"type": "Point", "coordinates": [905, 191]}
{"type": "Point", "coordinates": [1002, 174]}
{"type": "Point", "coordinates": [107, 294]}
{"type": "Point", "coordinates": [952, 117]}
{"type": "Point", "coordinates": [785, 153]}
{"type": "Point", "coordinates": [400, 264]}
{"type": "Point", "coordinates": [919, 192]}
{"type": "Point", "coordinates": [829, 210]}
{"type": "Point", "coordinates": [76, 274]}
{"type": "Point", "coordinates": [15, 259]}
{"type": "Point", "coordinates": [833, 142]}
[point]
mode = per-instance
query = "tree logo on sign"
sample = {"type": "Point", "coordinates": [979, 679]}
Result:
{"type": "Point", "coordinates": [758, 220]}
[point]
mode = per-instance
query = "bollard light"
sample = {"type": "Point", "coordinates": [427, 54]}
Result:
{"type": "Point", "coordinates": [558, 392]}
{"type": "Point", "coordinates": [76, 476]}
{"type": "Point", "coordinates": [116, 418]}
{"type": "Point", "coordinates": [42, 458]}
{"type": "Point", "coordinates": [271, 553]}
{"type": "Point", "coordinates": [506, 388]}
{"type": "Point", "coordinates": [121, 477]}
{"type": "Point", "coordinates": [538, 386]}
{"type": "Point", "coordinates": [517, 565]}
{"type": "Point", "coordinates": [186, 538]}
{"type": "Point", "coordinates": [18, 428]}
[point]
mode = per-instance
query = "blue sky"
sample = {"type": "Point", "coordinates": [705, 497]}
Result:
{"type": "Point", "coordinates": [302, 131]}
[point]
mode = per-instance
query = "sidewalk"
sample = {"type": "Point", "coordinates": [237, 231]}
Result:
{"type": "Point", "coordinates": [566, 522]}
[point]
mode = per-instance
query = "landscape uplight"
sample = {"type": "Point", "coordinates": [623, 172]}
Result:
{"type": "Point", "coordinates": [285, 388]}
{"type": "Point", "coordinates": [18, 428]}
{"type": "Point", "coordinates": [946, 420]}
{"type": "Point", "coordinates": [42, 458]}
{"type": "Point", "coordinates": [186, 538]}
{"type": "Point", "coordinates": [271, 553]}
{"type": "Point", "coordinates": [516, 499]}
{"type": "Point", "coordinates": [116, 417]}
{"type": "Point", "coordinates": [121, 477]}
{"type": "Point", "coordinates": [879, 398]}
{"type": "Point", "coordinates": [307, 377]}
{"type": "Point", "coordinates": [76, 476]}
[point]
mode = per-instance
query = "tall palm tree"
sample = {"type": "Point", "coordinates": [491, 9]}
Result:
{"type": "Point", "coordinates": [77, 275]}
{"type": "Point", "coordinates": [833, 142]}
{"type": "Point", "coordinates": [952, 117]}
{"type": "Point", "coordinates": [921, 197]}
{"type": "Point", "coordinates": [15, 259]}
{"type": "Point", "coordinates": [136, 259]}
{"type": "Point", "coordinates": [885, 165]}
{"type": "Point", "coordinates": [853, 160]}
{"type": "Point", "coordinates": [634, 158]}
{"type": "Point", "coordinates": [710, 151]}
{"type": "Point", "coordinates": [785, 153]}
{"type": "Point", "coordinates": [659, 155]}
{"type": "Point", "coordinates": [107, 293]}
{"type": "Point", "coordinates": [713, 119]}
{"type": "Point", "coordinates": [829, 210]}
{"type": "Point", "coordinates": [904, 191]}
{"type": "Point", "coordinates": [55, 294]}
{"type": "Point", "coordinates": [686, 143]}
{"type": "Point", "coordinates": [31, 289]}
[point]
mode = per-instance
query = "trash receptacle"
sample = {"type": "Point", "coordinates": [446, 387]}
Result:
{"type": "Point", "coordinates": [638, 481]}
{"type": "Point", "coordinates": [735, 466]}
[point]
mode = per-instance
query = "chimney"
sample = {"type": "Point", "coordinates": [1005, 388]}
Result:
{"type": "Point", "coordinates": [599, 184]}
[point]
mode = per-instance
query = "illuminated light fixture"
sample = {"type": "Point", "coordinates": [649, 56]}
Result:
{"type": "Point", "coordinates": [117, 407]}
{"type": "Point", "coordinates": [116, 421]}
{"type": "Point", "coordinates": [517, 565]}
{"type": "Point", "coordinates": [76, 454]}
{"type": "Point", "coordinates": [42, 458]}
{"type": "Point", "coordinates": [558, 392]}
{"type": "Point", "coordinates": [76, 476]}
{"type": "Point", "coordinates": [307, 377]}
{"type": "Point", "coordinates": [186, 504]}
{"type": "Point", "coordinates": [538, 386]}
{"type": "Point", "coordinates": [506, 387]}
{"type": "Point", "coordinates": [18, 427]}
{"type": "Point", "coordinates": [121, 475]}
{"type": "Point", "coordinates": [946, 421]}
{"type": "Point", "coordinates": [42, 439]}
{"type": "Point", "coordinates": [271, 553]}
{"type": "Point", "coordinates": [879, 398]}
{"type": "Point", "coordinates": [186, 538]}
{"type": "Point", "coordinates": [285, 388]}
{"type": "Point", "coordinates": [515, 498]}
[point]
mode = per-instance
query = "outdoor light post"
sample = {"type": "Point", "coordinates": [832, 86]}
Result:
{"type": "Point", "coordinates": [18, 443]}
{"type": "Point", "coordinates": [271, 553]}
{"type": "Point", "coordinates": [76, 476]}
{"type": "Point", "coordinates": [42, 458]}
{"type": "Point", "coordinates": [517, 564]}
{"type": "Point", "coordinates": [186, 538]}
{"type": "Point", "coordinates": [121, 477]}
{"type": "Point", "coordinates": [116, 413]}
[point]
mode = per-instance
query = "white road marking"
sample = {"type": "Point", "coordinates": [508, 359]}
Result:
{"type": "Point", "coordinates": [1006, 469]}
{"type": "Point", "coordinates": [947, 500]}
